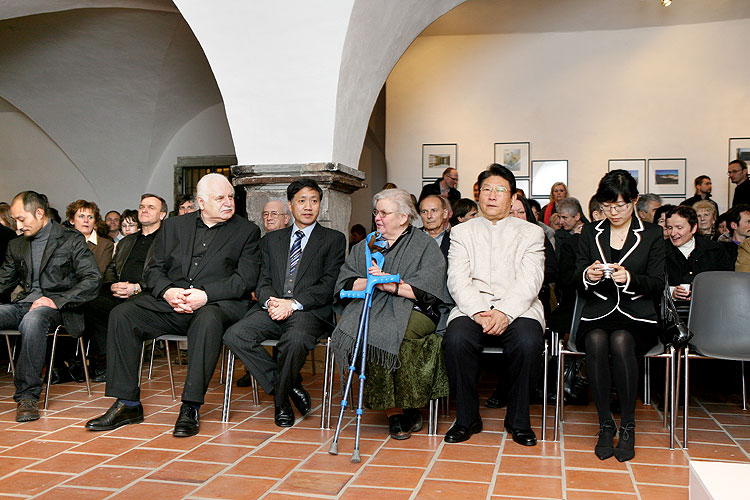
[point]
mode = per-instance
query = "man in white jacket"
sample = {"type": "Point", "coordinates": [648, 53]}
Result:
{"type": "Point", "coordinates": [496, 268]}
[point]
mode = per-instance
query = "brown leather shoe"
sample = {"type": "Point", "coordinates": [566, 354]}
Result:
{"type": "Point", "coordinates": [27, 410]}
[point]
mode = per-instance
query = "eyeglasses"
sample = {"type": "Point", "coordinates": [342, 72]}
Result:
{"type": "Point", "coordinates": [494, 189]}
{"type": "Point", "coordinates": [454, 178]}
{"type": "Point", "coordinates": [382, 213]}
{"type": "Point", "coordinates": [619, 207]}
{"type": "Point", "coordinates": [732, 172]}
{"type": "Point", "coordinates": [273, 214]}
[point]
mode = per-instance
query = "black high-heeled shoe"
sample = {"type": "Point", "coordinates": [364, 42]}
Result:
{"type": "Point", "coordinates": [605, 446]}
{"type": "Point", "coordinates": [626, 445]}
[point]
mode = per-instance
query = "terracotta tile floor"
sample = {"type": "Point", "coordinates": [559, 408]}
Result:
{"type": "Point", "coordinates": [250, 457]}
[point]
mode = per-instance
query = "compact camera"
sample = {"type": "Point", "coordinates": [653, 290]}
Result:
{"type": "Point", "coordinates": [607, 269]}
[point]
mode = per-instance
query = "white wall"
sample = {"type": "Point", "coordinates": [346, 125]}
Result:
{"type": "Point", "coordinates": [678, 91]}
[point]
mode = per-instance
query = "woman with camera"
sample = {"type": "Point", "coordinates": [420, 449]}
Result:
{"type": "Point", "coordinates": [621, 268]}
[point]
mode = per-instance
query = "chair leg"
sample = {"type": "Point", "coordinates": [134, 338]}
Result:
{"type": "Point", "coordinates": [12, 364]}
{"type": "Point", "coordinates": [744, 393]}
{"type": "Point", "coordinates": [140, 365]}
{"type": "Point", "coordinates": [49, 369]}
{"type": "Point", "coordinates": [432, 422]}
{"type": "Point", "coordinates": [673, 394]}
{"type": "Point", "coordinates": [559, 395]}
{"type": "Point", "coordinates": [151, 364]}
{"type": "Point", "coordinates": [169, 367]}
{"type": "Point", "coordinates": [228, 387]}
{"type": "Point", "coordinates": [687, 396]}
{"type": "Point", "coordinates": [85, 366]}
{"type": "Point", "coordinates": [312, 359]}
{"type": "Point", "coordinates": [646, 381]}
{"type": "Point", "coordinates": [325, 409]}
{"type": "Point", "coordinates": [254, 390]}
{"type": "Point", "coordinates": [544, 392]}
{"type": "Point", "coordinates": [221, 366]}
{"type": "Point", "coordinates": [667, 399]}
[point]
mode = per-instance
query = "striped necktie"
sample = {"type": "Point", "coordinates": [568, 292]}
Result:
{"type": "Point", "coordinates": [295, 252]}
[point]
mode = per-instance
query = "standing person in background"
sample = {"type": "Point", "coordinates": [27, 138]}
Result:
{"type": "Point", "coordinates": [557, 193]}
{"type": "Point", "coordinates": [737, 172]}
{"type": "Point", "coordinates": [702, 193]}
{"type": "Point", "coordinates": [445, 186]}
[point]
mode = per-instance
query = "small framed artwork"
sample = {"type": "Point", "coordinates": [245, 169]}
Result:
{"type": "Point", "coordinates": [666, 176]}
{"type": "Point", "coordinates": [544, 173]}
{"type": "Point", "coordinates": [524, 185]}
{"type": "Point", "coordinates": [428, 181]}
{"type": "Point", "coordinates": [437, 157]}
{"type": "Point", "coordinates": [739, 149]}
{"type": "Point", "coordinates": [515, 156]}
{"type": "Point", "coordinates": [636, 168]}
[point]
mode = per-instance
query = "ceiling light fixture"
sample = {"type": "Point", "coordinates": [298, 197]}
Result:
{"type": "Point", "coordinates": [666, 3]}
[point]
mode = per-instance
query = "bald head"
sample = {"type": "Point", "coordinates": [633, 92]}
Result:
{"type": "Point", "coordinates": [275, 215]}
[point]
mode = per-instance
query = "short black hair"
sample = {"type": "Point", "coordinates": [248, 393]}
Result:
{"type": "Point", "coordinates": [686, 213]}
{"type": "Point", "coordinates": [358, 229]}
{"type": "Point", "coordinates": [32, 201]}
{"type": "Point", "coordinates": [662, 210]}
{"type": "Point", "coordinates": [497, 170]}
{"type": "Point", "coordinates": [184, 198]}
{"type": "Point", "coordinates": [734, 213]}
{"type": "Point", "coordinates": [462, 207]}
{"type": "Point", "coordinates": [534, 204]}
{"type": "Point", "coordinates": [299, 184]}
{"type": "Point", "coordinates": [615, 184]}
{"type": "Point", "coordinates": [527, 208]}
{"type": "Point", "coordinates": [594, 206]}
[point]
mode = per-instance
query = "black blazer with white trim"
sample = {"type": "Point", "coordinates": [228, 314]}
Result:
{"type": "Point", "coordinates": [642, 256]}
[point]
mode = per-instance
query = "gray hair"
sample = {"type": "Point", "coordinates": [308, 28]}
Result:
{"type": "Point", "coordinates": [644, 200]}
{"type": "Point", "coordinates": [202, 189]}
{"type": "Point", "coordinates": [284, 205]}
{"type": "Point", "coordinates": [402, 199]}
{"type": "Point", "coordinates": [570, 206]}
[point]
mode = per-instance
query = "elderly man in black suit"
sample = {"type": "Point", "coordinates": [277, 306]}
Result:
{"type": "Point", "coordinates": [202, 269]}
{"type": "Point", "coordinates": [295, 293]}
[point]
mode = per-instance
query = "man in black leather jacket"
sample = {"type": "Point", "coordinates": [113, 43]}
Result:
{"type": "Point", "coordinates": [57, 273]}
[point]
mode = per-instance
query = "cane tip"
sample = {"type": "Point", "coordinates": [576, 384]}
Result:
{"type": "Point", "coordinates": [355, 457]}
{"type": "Point", "coordinates": [334, 449]}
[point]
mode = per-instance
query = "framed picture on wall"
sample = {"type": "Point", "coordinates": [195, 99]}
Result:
{"type": "Point", "coordinates": [544, 173]}
{"type": "Point", "coordinates": [666, 176]}
{"type": "Point", "coordinates": [515, 156]}
{"type": "Point", "coordinates": [437, 157]}
{"type": "Point", "coordinates": [636, 168]}
{"type": "Point", "coordinates": [739, 149]}
{"type": "Point", "coordinates": [524, 184]}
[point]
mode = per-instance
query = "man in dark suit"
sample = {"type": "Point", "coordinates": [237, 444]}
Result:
{"type": "Point", "coordinates": [202, 269]}
{"type": "Point", "coordinates": [299, 268]}
{"type": "Point", "coordinates": [434, 211]}
{"type": "Point", "coordinates": [445, 187]}
{"type": "Point", "coordinates": [57, 273]}
{"type": "Point", "coordinates": [123, 279]}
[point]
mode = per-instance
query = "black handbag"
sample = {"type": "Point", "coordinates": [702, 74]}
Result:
{"type": "Point", "coordinates": [675, 331]}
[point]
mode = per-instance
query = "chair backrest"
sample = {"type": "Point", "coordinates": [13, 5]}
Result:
{"type": "Point", "coordinates": [576, 322]}
{"type": "Point", "coordinates": [720, 314]}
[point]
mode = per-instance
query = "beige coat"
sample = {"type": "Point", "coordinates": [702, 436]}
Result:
{"type": "Point", "coordinates": [497, 265]}
{"type": "Point", "coordinates": [743, 257]}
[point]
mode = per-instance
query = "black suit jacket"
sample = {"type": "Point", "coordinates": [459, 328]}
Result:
{"type": "Point", "coordinates": [69, 274]}
{"type": "Point", "coordinates": [317, 272]}
{"type": "Point", "coordinates": [642, 255]}
{"type": "Point", "coordinates": [228, 272]}
{"type": "Point", "coordinates": [434, 188]}
{"type": "Point", "coordinates": [122, 252]}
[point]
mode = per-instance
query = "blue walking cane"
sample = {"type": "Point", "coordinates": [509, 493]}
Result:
{"type": "Point", "coordinates": [372, 253]}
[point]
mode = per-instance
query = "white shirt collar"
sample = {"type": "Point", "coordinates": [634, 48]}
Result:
{"type": "Point", "coordinates": [93, 238]}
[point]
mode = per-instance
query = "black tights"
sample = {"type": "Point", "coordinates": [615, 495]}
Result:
{"type": "Point", "coordinates": [620, 344]}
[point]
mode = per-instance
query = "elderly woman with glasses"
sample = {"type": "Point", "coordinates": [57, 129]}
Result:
{"type": "Point", "coordinates": [405, 365]}
{"type": "Point", "coordinates": [620, 265]}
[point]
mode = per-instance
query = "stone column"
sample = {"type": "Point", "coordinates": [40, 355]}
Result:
{"type": "Point", "coordinates": [267, 182]}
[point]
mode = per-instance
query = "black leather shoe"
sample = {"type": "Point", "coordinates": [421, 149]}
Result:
{"type": "Point", "coordinates": [399, 426]}
{"type": "Point", "coordinates": [301, 399]}
{"type": "Point", "coordinates": [283, 415]}
{"type": "Point", "coordinates": [414, 419]}
{"type": "Point", "coordinates": [459, 433]}
{"type": "Point", "coordinates": [117, 416]}
{"type": "Point", "coordinates": [245, 380]}
{"type": "Point", "coordinates": [524, 437]}
{"type": "Point", "coordinates": [496, 401]}
{"type": "Point", "coordinates": [604, 447]}
{"type": "Point", "coordinates": [99, 375]}
{"type": "Point", "coordinates": [188, 422]}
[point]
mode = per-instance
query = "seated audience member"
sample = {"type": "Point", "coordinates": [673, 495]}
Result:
{"type": "Point", "coordinates": [405, 366]}
{"type": "Point", "coordinates": [434, 213]}
{"type": "Point", "coordinates": [6, 219]}
{"type": "Point", "coordinates": [737, 171]}
{"type": "Point", "coordinates": [647, 205]}
{"type": "Point", "coordinates": [660, 218]}
{"type": "Point", "coordinates": [57, 272]}
{"type": "Point", "coordinates": [6, 235]}
{"type": "Point", "coordinates": [463, 210]}
{"type": "Point", "coordinates": [123, 279]}
{"type": "Point", "coordinates": [202, 269]}
{"type": "Point", "coordinates": [496, 304]}
{"type": "Point", "coordinates": [739, 225]}
{"type": "Point", "coordinates": [702, 193]}
{"type": "Point", "coordinates": [619, 317]}
{"type": "Point", "coordinates": [707, 214]}
{"type": "Point", "coordinates": [84, 215]}
{"type": "Point", "coordinates": [186, 204]}
{"type": "Point", "coordinates": [743, 257]}
{"type": "Point", "coordinates": [557, 193]}
{"type": "Point", "coordinates": [476, 192]}
{"type": "Point", "coordinates": [356, 234]}
{"type": "Point", "coordinates": [445, 187]}
{"type": "Point", "coordinates": [112, 220]}
{"type": "Point", "coordinates": [689, 253]}
{"type": "Point", "coordinates": [299, 265]}
{"type": "Point", "coordinates": [554, 222]}
{"type": "Point", "coordinates": [572, 220]}
{"type": "Point", "coordinates": [722, 232]}
{"type": "Point", "coordinates": [129, 222]}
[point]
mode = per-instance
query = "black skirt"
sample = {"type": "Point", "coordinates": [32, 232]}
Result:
{"type": "Point", "coordinates": [646, 335]}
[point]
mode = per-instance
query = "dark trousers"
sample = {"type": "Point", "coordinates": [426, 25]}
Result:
{"type": "Point", "coordinates": [522, 342]}
{"type": "Point", "coordinates": [34, 327]}
{"type": "Point", "coordinates": [96, 314]}
{"type": "Point", "coordinates": [297, 335]}
{"type": "Point", "coordinates": [131, 324]}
